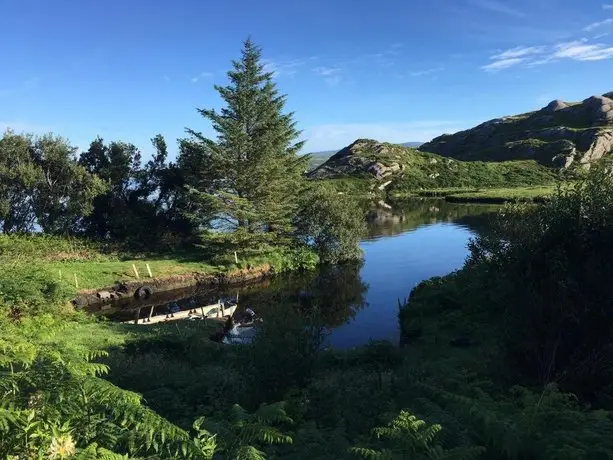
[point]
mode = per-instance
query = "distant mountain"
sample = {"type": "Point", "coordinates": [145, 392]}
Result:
{"type": "Point", "coordinates": [560, 135]}
{"type": "Point", "coordinates": [412, 144]}
{"type": "Point", "coordinates": [319, 158]}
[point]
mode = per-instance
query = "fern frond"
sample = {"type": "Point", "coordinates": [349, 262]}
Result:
{"type": "Point", "coordinates": [371, 454]}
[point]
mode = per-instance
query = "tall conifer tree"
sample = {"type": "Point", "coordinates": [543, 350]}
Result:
{"type": "Point", "coordinates": [251, 173]}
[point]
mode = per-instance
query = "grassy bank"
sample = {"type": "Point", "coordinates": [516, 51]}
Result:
{"type": "Point", "coordinates": [485, 195]}
{"type": "Point", "coordinates": [96, 265]}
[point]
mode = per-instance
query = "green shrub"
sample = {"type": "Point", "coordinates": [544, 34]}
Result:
{"type": "Point", "coordinates": [551, 272]}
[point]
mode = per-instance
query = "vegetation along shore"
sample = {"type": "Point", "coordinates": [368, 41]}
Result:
{"type": "Point", "coordinates": [509, 357]}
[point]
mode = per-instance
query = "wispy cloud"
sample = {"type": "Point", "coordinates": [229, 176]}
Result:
{"type": "Point", "coordinates": [330, 136]}
{"type": "Point", "coordinates": [286, 67]}
{"type": "Point", "coordinates": [422, 73]}
{"type": "Point", "coordinates": [498, 7]}
{"type": "Point", "coordinates": [597, 25]}
{"type": "Point", "coordinates": [512, 57]}
{"type": "Point", "coordinates": [518, 52]}
{"type": "Point", "coordinates": [607, 6]}
{"type": "Point", "coordinates": [580, 51]}
{"type": "Point", "coordinates": [201, 76]}
{"type": "Point", "coordinates": [166, 78]}
{"type": "Point", "coordinates": [577, 50]}
{"type": "Point", "coordinates": [502, 64]}
{"type": "Point", "coordinates": [332, 75]}
{"type": "Point", "coordinates": [326, 71]}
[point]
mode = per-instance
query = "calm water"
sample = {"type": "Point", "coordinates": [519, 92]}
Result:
{"type": "Point", "coordinates": [406, 244]}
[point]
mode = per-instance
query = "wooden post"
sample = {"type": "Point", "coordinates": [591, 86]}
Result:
{"type": "Point", "coordinates": [76, 281]}
{"type": "Point", "coordinates": [136, 272]}
{"type": "Point", "coordinates": [235, 258]}
{"type": "Point", "coordinates": [60, 275]}
{"type": "Point", "coordinates": [149, 270]}
{"type": "Point", "coordinates": [136, 316]}
{"type": "Point", "coordinates": [151, 312]}
{"type": "Point", "coordinates": [202, 311]}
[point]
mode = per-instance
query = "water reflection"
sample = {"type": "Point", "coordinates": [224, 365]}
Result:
{"type": "Point", "coordinates": [333, 294]}
{"type": "Point", "coordinates": [396, 217]}
{"type": "Point", "coordinates": [407, 242]}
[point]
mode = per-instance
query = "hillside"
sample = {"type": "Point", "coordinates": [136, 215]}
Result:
{"type": "Point", "coordinates": [319, 158]}
{"type": "Point", "coordinates": [402, 169]}
{"type": "Point", "coordinates": [560, 135]}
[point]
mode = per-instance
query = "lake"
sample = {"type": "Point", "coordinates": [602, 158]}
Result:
{"type": "Point", "coordinates": [407, 243]}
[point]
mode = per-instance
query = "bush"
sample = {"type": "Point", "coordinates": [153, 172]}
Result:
{"type": "Point", "coordinates": [550, 276]}
{"type": "Point", "coordinates": [332, 224]}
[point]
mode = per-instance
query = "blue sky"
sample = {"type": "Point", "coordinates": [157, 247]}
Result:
{"type": "Point", "coordinates": [394, 70]}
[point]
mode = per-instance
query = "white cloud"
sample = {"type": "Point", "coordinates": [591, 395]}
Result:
{"type": "Point", "coordinates": [597, 25]}
{"type": "Point", "coordinates": [332, 75]}
{"type": "Point", "coordinates": [285, 68]}
{"type": "Point", "coordinates": [577, 50]}
{"type": "Point", "coordinates": [201, 76]}
{"type": "Point", "coordinates": [331, 136]}
{"type": "Point", "coordinates": [166, 78]}
{"type": "Point", "coordinates": [580, 51]}
{"type": "Point", "coordinates": [498, 7]}
{"type": "Point", "coordinates": [422, 73]}
{"type": "Point", "coordinates": [326, 71]}
{"type": "Point", "coordinates": [518, 52]}
{"type": "Point", "coordinates": [607, 6]}
{"type": "Point", "coordinates": [502, 64]}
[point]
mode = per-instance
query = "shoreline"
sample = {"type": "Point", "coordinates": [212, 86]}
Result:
{"type": "Point", "coordinates": [536, 194]}
{"type": "Point", "coordinates": [125, 291]}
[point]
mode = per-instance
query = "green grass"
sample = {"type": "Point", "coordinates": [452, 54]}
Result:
{"type": "Point", "coordinates": [537, 193]}
{"type": "Point", "coordinates": [353, 186]}
{"type": "Point", "coordinates": [97, 274]}
{"type": "Point", "coordinates": [95, 266]}
{"type": "Point", "coordinates": [501, 195]}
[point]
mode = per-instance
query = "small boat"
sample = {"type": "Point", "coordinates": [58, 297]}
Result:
{"type": "Point", "coordinates": [240, 335]}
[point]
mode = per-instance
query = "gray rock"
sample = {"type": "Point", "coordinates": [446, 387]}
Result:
{"type": "Point", "coordinates": [554, 106]}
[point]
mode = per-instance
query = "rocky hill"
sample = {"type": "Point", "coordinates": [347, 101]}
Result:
{"type": "Point", "coordinates": [562, 134]}
{"type": "Point", "coordinates": [364, 158]}
{"type": "Point", "coordinates": [402, 168]}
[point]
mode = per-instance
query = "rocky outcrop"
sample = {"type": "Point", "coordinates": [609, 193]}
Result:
{"type": "Point", "coordinates": [365, 157]}
{"type": "Point", "coordinates": [560, 134]}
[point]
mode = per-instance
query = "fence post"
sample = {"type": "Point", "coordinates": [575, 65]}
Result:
{"type": "Point", "coordinates": [149, 270]}
{"type": "Point", "coordinates": [235, 258]}
{"type": "Point", "coordinates": [136, 272]}
{"type": "Point", "coordinates": [76, 281]}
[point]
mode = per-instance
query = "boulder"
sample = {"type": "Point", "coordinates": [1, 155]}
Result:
{"type": "Point", "coordinates": [554, 106]}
